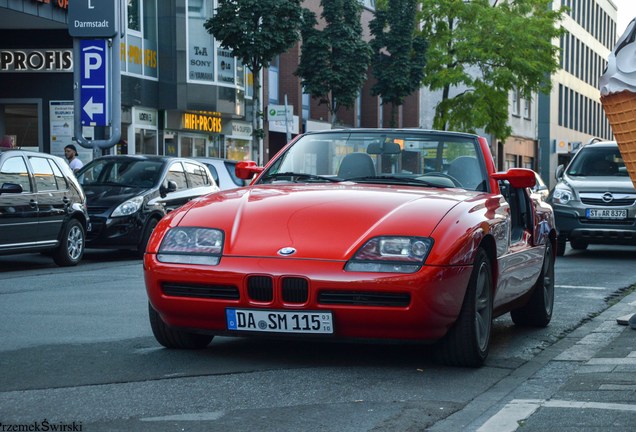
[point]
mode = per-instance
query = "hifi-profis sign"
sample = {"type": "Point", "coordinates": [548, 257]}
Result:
{"type": "Point", "coordinates": [91, 18]}
{"type": "Point", "coordinates": [94, 82]}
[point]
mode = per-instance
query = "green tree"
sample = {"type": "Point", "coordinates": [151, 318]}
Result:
{"type": "Point", "coordinates": [399, 51]}
{"type": "Point", "coordinates": [485, 50]}
{"type": "Point", "coordinates": [255, 32]}
{"type": "Point", "coordinates": [334, 61]}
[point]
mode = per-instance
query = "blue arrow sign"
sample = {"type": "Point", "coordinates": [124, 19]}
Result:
{"type": "Point", "coordinates": [94, 82]}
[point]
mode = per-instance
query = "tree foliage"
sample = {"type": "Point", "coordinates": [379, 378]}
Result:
{"type": "Point", "coordinates": [334, 61]}
{"type": "Point", "coordinates": [255, 32]}
{"type": "Point", "coordinates": [485, 49]}
{"type": "Point", "coordinates": [399, 51]}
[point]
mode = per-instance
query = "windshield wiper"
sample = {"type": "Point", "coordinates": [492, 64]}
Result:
{"type": "Point", "coordinates": [393, 180]}
{"type": "Point", "coordinates": [295, 177]}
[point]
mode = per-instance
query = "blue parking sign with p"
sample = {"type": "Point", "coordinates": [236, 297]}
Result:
{"type": "Point", "coordinates": [94, 82]}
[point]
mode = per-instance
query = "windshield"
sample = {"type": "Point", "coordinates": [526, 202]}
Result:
{"type": "Point", "coordinates": [409, 157]}
{"type": "Point", "coordinates": [598, 162]}
{"type": "Point", "coordinates": [121, 172]}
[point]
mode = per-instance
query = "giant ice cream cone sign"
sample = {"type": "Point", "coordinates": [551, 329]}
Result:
{"type": "Point", "coordinates": [618, 96]}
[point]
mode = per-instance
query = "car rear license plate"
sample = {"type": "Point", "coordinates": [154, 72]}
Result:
{"type": "Point", "coordinates": [606, 213]}
{"type": "Point", "coordinates": [275, 321]}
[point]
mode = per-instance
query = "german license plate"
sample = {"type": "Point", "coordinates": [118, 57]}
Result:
{"type": "Point", "coordinates": [274, 321]}
{"type": "Point", "coordinates": [606, 213]}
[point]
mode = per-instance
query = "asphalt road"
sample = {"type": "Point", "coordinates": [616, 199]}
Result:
{"type": "Point", "coordinates": [76, 350]}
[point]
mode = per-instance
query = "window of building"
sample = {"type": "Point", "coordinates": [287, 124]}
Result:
{"type": "Point", "coordinates": [139, 46]}
{"type": "Point", "coordinates": [515, 102]}
{"type": "Point", "coordinates": [273, 81]}
{"type": "Point", "coordinates": [145, 141]}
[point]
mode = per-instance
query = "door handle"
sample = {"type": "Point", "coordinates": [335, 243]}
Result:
{"type": "Point", "coordinates": [33, 203]}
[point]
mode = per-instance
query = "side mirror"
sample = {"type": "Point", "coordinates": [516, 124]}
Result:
{"type": "Point", "coordinates": [11, 188]}
{"type": "Point", "coordinates": [165, 190]}
{"type": "Point", "coordinates": [517, 177]}
{"type": "Point", "coordinates": [559, 172]}
{"type": "Point", "coordinates": [247, 169]}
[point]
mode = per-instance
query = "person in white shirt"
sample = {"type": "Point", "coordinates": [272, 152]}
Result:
{"type": "Point", "coordinates": [70, 151]}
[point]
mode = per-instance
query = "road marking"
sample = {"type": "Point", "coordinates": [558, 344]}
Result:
{"type": "Point", "coordinates": [509, 417]}
{"type": "Point", "coordinates": [597, 288]}
{"type": "Point", "coordinates": [204, 416]}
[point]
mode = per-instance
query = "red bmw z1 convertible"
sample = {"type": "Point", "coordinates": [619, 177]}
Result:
{"type": "Point", "coordinates": [385, 234]}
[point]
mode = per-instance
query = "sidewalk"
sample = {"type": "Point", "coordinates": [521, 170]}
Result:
{"type": "Point", "coordinates": [590, 385]}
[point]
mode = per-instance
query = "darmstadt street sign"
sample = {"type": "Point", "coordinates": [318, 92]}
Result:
{"type": "Point", "coordinates": [94, 82]}
{"type": "Point", "coordinates": [91, 18]}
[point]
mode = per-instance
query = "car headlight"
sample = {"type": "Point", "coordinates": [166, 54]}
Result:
{"type": "Point", "coordinates": [128, 207]}
{"type": "Point", "coordinates": [562, 195]}
{"type": "Point", "coordinates": [191, 245]}
{"type": "Point", "coordinates": [391, 255]}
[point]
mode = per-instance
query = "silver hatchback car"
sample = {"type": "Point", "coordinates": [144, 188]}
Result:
{"type": "Point", "coordinates": [594, 200]}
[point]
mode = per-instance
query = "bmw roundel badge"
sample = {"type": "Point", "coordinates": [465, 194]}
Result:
{"type": "Point", "coordinates": [286, 251]}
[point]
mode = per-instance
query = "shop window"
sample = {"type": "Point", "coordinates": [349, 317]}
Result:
{"type": "Point", "coordinates": [186, 147]}
{"type": "Point", "coordinates": [21, 122]}
{"type": "Point", "coordinates": [199, 147]}
{"type": "Point", "coordinates": [145, 141]}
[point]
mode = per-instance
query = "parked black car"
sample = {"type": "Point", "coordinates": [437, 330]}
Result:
{"type": "Point", "coordinates": [42, 207]}
{"type": "Point", "coordinates": [128, 194]}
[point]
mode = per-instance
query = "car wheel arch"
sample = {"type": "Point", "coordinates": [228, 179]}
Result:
{"type": "Point", "coordinates": [489, 245]}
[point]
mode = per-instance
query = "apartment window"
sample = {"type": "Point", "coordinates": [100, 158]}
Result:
{"type": "Point", "coordinates": [526, 108]}
{"type": "Point", "coordinates": [515, 102]}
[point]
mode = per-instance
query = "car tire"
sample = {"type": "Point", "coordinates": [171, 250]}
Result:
{"type": "Point", "coordinates": [149, 228]}
{"type": "Point", "coordinates": [538, 311]}
{"type": "Point", "coordinates": [467, 342]}
{"type": "Point", "coordinates": [71, 247]}
{"type": "Point", "coordinates": [172, 338]}
{"type": "Point", "coordinates": [578, 244]}
{"type": "Point", "coordinates": [560, 246]}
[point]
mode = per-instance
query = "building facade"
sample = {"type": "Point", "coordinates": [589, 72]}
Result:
{"type": "Point", "coordinates": [181, 94]}
{"type": "Point", "coordinates": [571, 115]}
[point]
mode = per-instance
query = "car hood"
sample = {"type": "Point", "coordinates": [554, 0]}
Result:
{"type": "Point", "coordinates": [600, 184]}
{"type": "Point", "coordinates": [110, 196]}
{"type": "Point", "coordinates": [324, 221]}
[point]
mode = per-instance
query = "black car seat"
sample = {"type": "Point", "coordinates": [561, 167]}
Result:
{"type": "Point", "coordinates": [356, 165]}
{"type": "Point", "coordinates": [465, 169]}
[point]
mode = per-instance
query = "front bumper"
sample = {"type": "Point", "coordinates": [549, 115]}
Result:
{"type": "Point", "coordinates": [572, 224]}
{"type": "Point", "coordinates": [116, 232]}
{"type": "Point", "coordinates": [420, 306]}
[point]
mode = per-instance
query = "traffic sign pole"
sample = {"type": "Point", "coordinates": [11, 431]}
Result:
{"type": "Point", "coordinates": [94, 25]}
